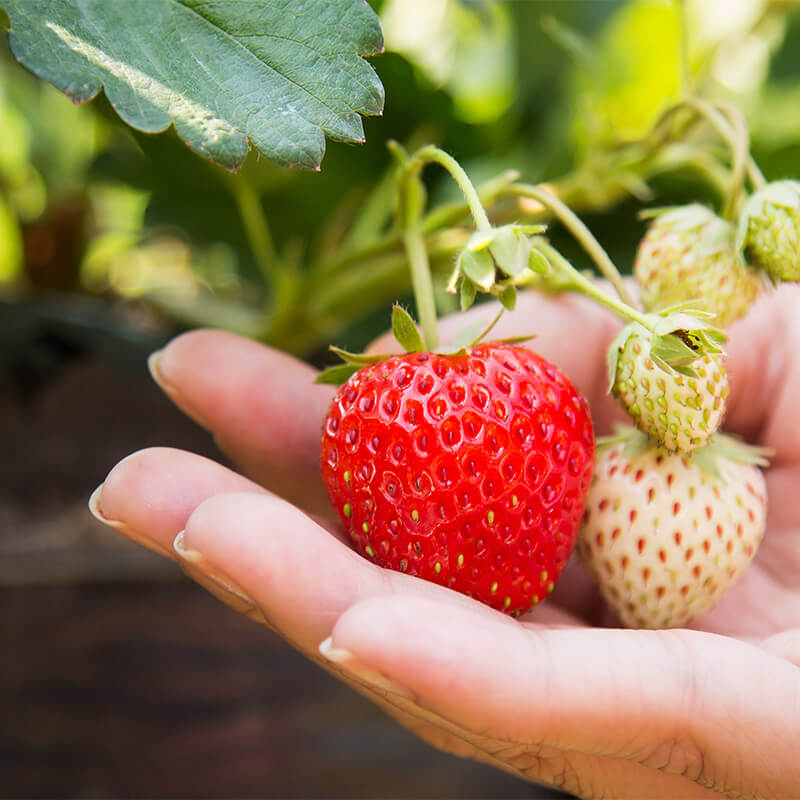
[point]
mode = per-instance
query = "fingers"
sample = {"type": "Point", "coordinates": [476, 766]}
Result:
{"type": "Point", "coordinates": [665, 700]}
{"type": "Point", "coordinates": [300, 576]}
{"type": "Point", "coordinates": [784, 645]}
{"type": "Point", "coordinates": [763, 357]}
{"type": "Point", "coordinates": [261, 405]}
{"type": "Point", "coordinates": [150, 495]}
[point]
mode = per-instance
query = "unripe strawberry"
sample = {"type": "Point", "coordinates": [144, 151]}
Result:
{"type": "Point", "coordinates": [769, 231]}
{"type": "Point", "coordinates": [663, 537]}
{"type": "Point", "coordinates": [688, 255]}
{"type": "Point", "coordinates": [673, 391]}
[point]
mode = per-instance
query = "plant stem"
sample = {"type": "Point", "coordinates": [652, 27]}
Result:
{"type": "Point", "coordinates": [736, 119]}
{"type": "Point", "coordinates": [581, 283]}
{"type": "Point", "coordinates": [582, 234]}
{"type": "Point", "coordinates": [436, 156]}
{"type": "Point", "coordinates": [410, 206]}
{"type": "Point", "coordinates": [256, 228]}
{"type": "Point", "coordinates": [421, 282]}
{"type": "Point", "coordinates": [736, 136]}
{"type": "Point", "coordinates": [481, 336]}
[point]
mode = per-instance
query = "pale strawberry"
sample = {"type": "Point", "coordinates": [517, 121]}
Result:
{"type": "Point", "coordinates": [769, 230]}
{"type": "Point", "coordinates": [689, 255]}
{"type": "Point", "coordinates": [673, 384]}
{"type": "Point", "coordinates": [665, 535]}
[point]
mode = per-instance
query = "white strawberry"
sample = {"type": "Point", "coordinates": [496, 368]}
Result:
{"type": "Point", "coordinates": [666, 535]}
{"type": "Point", "coordinates": [689, 255]}
{"type": "Point", "coordinates": [769, 230]}
{"type": "Point", "coordinates": [670, 380]}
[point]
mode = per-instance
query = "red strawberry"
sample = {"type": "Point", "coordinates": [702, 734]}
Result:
{"type": "Point", "coordinates": [469, 470]}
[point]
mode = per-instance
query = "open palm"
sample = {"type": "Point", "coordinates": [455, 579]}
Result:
{"type": "Point", "coordinates": [561, 696]}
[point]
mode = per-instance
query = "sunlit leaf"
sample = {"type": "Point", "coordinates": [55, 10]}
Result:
{"type": "Point", "coordinates": [280, 74]}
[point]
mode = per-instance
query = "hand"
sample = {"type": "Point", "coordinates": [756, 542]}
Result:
{"type": "Point", "coordinates": [596, 711]}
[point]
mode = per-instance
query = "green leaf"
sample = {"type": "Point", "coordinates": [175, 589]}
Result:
{"type": "Point", "coordinates": [405, 331]}
{"type": "Point", "coordinates": [337, 375]}
{"type": "Point", "coordinates": [280, 74]}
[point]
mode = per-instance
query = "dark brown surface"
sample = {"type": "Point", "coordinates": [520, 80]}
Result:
{"type": "Point", "coordinates": [118, 676]}
{"type": "Point", "coordinates": [112, 690]}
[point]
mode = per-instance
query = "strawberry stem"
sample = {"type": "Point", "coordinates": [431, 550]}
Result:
{"type": "Point", "coordinates": [434, 155]}
{"type": "Point", "coordinates": [579, 231]}
{"type": "Point", "coordinates": [421, 281]}
{"type": "Point", "coordinates": [576, 281]}
{"type": "Point", "coordinates": [729, 123]}
{"type": "Point", "coordinates": [410, 207]}
{"type": "Point", "coordinates": [736, 118]}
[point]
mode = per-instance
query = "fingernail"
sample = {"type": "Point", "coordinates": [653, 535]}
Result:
{"type": "Point", "coordinates": [349, 663]}
{"type": "Point", "coordinates": [96, 510]}
{"type": "Point", "coordinates": [155, 366]}
{"type": "Point", "coordinates": [199, 561]}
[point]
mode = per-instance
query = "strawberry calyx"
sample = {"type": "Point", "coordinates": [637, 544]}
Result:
{"type": "Point", "coordinates": [715, 233]}
{"type": "Point", "coordinates": [677, 339]}
{"type": "Point", "coordinates": [407, 335]}
{"type": "Point", "coordinates": [713, 457]}
{"type": "Point", "coordinates": [495, 261]}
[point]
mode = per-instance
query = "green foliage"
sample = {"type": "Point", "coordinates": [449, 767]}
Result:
{"type": "Point", "coordinates": [303, 258]}
{"type": "Point", "coordinates": [277, 74]}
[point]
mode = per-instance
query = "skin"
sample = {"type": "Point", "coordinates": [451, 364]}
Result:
{"type": "Point", "coordinates": [562, 696]}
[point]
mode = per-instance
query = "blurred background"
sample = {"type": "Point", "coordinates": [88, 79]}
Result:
{"type": "Point", "coordinates": [121, 678]}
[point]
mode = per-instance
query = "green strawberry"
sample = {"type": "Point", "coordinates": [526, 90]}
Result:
{"type": "Point", "coordinates": [672, 382]}
{"type": "Point", "coordinates": [688, 255]}
{"type": "Point", "coordinates": [769, 231]}
{"type": "Point", "coordinates": [664, 535]}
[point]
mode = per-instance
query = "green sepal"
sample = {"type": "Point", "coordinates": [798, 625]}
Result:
{"type": "Point", "coordinates": [468, 293]}
{"type": "Point", "coordinates": [405, 331]}
{"type": "Point", "coordinates": [472, 335]}
{"type": "Point", "coordinates": [675, 353]}
{"type": "Point", "coordinates": [717, 234]}
{"type": "Point", "coordinates": [337, 375]}
{"type": "Point", "coordinates": [615, 348]}
{"type": "Point", "coordinates": [710, 457]}
{"type": "Point", "coordinates": [538, 263]}
{"type": "Point", "coordinates": [633, 441]}
{"type": "Point", "coordinates": [723, 446]}
{"type": "Point", "coordinates": [358, 358]}
{"type": "Point", "coordinates": [508, 296]}
{"type": "Point", "coordinates": [517, 339]}
{"type": "Point", "coordinates": [478, 266]}
{"type": "Point", "coordinates": [511, 250]}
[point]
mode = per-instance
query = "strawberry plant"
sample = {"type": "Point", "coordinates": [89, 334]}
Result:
{"type": "Point", "coordinates": [467, 464]}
